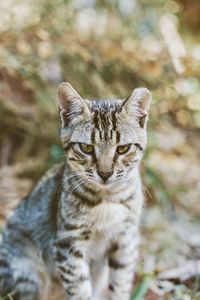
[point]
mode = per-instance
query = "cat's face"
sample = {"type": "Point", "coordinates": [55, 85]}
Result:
{"type": "Point", "coordinates": [104, 139]}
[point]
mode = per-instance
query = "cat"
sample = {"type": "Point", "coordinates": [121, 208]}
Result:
{"type": "Point", "coordinates": [81, 220]}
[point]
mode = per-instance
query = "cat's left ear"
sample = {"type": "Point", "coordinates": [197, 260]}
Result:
{"type": "Point", "coordinates": [137, 105]}
{"type": "Point", "coordinates": [72, 107]}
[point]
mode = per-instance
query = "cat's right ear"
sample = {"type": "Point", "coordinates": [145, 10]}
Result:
{"type": "Point", "coordinates": [71, 105]}
{"type": "Point", "coordinates": [137, 105]}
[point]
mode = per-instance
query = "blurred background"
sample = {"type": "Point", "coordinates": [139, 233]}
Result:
{"type": "Point", "coordinates": [106, 49]}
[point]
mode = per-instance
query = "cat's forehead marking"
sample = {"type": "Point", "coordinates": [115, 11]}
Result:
{"type": "Point", "coordinates": [105, 119]}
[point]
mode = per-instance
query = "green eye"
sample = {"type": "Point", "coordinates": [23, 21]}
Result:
{"type": "Point", "coordinates": [88, 149]}
{"type": "Point", "coordinates": [123, 149]}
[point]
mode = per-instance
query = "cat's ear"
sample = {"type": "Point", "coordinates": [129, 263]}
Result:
{"type": "Point", "coordinates": [71, 105]}
{"type": "Point", "coordinates": [137, 105]}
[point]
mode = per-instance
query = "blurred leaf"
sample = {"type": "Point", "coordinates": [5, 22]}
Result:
{"type": "Point", "coordinates": [141, 290]}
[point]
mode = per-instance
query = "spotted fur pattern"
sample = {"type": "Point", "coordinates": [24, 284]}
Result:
{"type": "Point", "coordinates": [82, 218]}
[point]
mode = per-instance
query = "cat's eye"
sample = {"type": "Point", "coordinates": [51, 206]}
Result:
{"type": "Point", "coordinates": [123, 149]}
{"type": "Point", "coordinates": [88, 149]}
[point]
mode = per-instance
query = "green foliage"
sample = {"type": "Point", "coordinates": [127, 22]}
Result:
{"type": "Point", "coordinates": [141, 290]}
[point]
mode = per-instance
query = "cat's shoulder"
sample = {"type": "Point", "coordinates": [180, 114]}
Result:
{"type": "Point", "coordinates": [48, 183]}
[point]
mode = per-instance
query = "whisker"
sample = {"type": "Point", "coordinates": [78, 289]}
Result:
{"type": "Point", "coordinates": [74, 187]}
{"type": "Point", "coordinates": [145, 189]}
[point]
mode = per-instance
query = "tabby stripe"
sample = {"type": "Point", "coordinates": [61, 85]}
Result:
{"type": "Point", "coordinates": [66, 280]}
{"type": "Point", "coordinates": [116, 265]}
{"type": "Point", "coordinates": [95, 120]}
{"type": "Point", "coordinates": [111, 288]}
{"type": "Point", "coordinates": [5, 273]}
{"type": "Point", "coordinates": [60, 257]}
{"type": "Point", "coordinates": [83, 278]}
{"type": "Point", "coordinates": [24, 280]}
{"type": "Point", "coordinates": [71, 226]}
{"type": "Point", "coordinates": [70, 293]}
{"type": "Point", "coordinates": [69, 268]}
{"type": "Point", "coordinates": [76, 253]}
{"type": "Point", "coordinates": [66, 270]}
{"type": "Point", "coordinates": [79, 155]}
{"type": "Point", "coordinates": [72, 159]}
{"type": "Point", "coordinates": [20, 233]}
{"type": "Point", "coordinates": [127, 201]}
{"type": "Point", "coordinates": [67, 147]}
{"type": "Point", "coordinates": [90, 191]}
{"type": "Point", "coordinates": [64, 243]}
{"type": "Point", "coordinates": [113, 248]}
{"type": "Point", "coordinates": [100, 134]}
{"type": "Point", "coordinates": [19, 239]}
{"type": "Point", "coordinates": [86, 200]}
{"type": "Point", "coordinates": [111, 134]}
{"type": "Point", "coordinates": [85, 235]}
{"type": "Point", "coordinates": [114, 119]}
{"type": "Point", "coordinates": [117, 136]}
{"type": "Point", "coordinates": [3, 263]}
{"type": "Point", "coordinates": [93, 136]}
{"type": "Point", "coordinates": [79, 279]}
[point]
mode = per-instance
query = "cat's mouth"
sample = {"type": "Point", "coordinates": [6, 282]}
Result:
{"type": "Point", "coordinates": [108, 184]}
{"type": "Point", "coordinates": [103, 184]}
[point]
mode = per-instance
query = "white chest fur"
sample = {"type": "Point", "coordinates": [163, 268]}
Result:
{"type": "Point", "coordinates": [108, 218]}
{"type": "Point", "coordinates": [106, 221]}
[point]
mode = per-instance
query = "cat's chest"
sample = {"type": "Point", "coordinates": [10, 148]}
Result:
{"type": "Point", "coordinates": [106, 222]}
{"type": "Point", "coordinates": [108, 218]}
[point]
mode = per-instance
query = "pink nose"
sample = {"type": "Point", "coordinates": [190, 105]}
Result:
{"type": "Point", "coordinates": [104, 175]}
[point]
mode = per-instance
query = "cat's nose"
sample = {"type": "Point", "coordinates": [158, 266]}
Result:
{"type": "Point", "coordinates": [104, 175]}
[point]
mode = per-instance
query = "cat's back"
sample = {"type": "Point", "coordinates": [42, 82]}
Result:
{"type": "Point", "coordinates": [35, 217]}
{"type": "Point", "coordinates": [47, 189]}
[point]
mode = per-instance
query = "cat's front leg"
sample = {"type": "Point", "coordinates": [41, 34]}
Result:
{"type": "Point", "coordinates": [74, 269]}
{"type": "Point", "coordinates": [122, 261]}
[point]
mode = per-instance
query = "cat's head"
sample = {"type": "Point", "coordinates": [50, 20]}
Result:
{"type": "Point", "coordinates": [104, 140]}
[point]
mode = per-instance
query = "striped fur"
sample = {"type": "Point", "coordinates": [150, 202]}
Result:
{"type": "Point", "coordinates": [82, 218]}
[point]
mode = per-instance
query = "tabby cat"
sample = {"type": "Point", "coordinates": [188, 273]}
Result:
{"type": "Point", "coordinates": [81, 220]}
